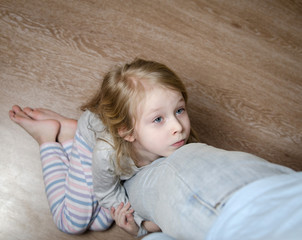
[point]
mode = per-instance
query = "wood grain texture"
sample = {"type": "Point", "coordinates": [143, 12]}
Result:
{"type": "Point", "coordinates": [240, 60]}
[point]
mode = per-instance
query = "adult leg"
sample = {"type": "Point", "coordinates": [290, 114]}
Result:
{"type": "Point", "coordinates": [270, 208]}
{"type": "Point", "coordinates": [158, 236]}
{"type": "Point", "coordinates": [186, 192]}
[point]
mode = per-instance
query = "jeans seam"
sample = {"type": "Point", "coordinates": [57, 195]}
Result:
{"type": "Point", "coordinates": [208, 206]}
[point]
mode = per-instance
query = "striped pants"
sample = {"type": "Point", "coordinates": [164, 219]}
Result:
{"type": "Point", "coordinates": [68, 184]}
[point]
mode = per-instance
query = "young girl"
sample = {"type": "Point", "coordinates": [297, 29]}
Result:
{"type": "Point", "coordinates": [138, 115]}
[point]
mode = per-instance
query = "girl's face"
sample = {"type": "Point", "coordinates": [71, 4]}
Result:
{"type": "Point", "coordinates": [162, 125]}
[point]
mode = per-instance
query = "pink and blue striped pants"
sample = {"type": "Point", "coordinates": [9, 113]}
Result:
{"type": "Point", "coordinates": [68, 184]}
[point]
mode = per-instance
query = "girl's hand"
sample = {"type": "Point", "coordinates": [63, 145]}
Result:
{"type": "Point", "coordinates": [124, 218]}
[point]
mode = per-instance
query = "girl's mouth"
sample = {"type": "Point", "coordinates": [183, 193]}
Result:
{"type": "Point", "coordinates": [179, 143]}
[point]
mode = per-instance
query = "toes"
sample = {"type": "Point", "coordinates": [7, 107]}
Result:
{"type": "Point", "coordinates": [16, 112]}
{"type": "Point", "coordinates": [11, 114]}
{"type": "Point", "coordinates": [28, 111]}
{"type": "Point", "coordinates": [34, 113]}
{"type": "Point", "coordinates": [16, 117]}
{"type": "Point", "coordinates": [16, 109]}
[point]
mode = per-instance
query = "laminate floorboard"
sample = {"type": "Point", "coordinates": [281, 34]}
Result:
{"type": "Point", "coordinates": [240, 60]}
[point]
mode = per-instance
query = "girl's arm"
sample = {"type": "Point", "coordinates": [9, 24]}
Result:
{"type": "Point", "coordinates": [106, 184]}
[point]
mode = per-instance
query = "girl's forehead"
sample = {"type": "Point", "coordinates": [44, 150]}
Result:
{"type": "Point", "coordinates": [157, 98]}
{"type": "Point", "coordinates": [151, 88]}
{"type": "Point", "coordinates": [166, 90]}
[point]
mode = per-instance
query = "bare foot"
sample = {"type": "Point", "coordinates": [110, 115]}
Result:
{"type": "Point", "coordinates": [41, 130]}
{"type": "Point", "coordinates": [43, 114]}
{"type": "Point", "coordinates": [68, 125]}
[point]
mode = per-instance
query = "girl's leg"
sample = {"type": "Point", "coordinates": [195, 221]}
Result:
{"type": "Point", "coordinates": [68, 188]}
{"type": "Point", "coordinates": [80, 155]}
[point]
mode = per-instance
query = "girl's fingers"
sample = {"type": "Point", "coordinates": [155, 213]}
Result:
{"type": "Point", "coordinates": [127, 206]}
{"type": "Point", "coordinates": [119, 214]}
{"type": "Point", "coordinates": [122, 213]}
{"type": "Point", "coordinates": [129, 217]}
{"type": "Point", "coordinates": [112, 212]}
{"type": "Point", "coordinates": [120, 207]}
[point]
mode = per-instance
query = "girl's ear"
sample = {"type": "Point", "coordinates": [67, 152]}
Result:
{"type": "Point", "coordinates": [129, 138]}
{"type": "Point", "coordinates": [124, 133]}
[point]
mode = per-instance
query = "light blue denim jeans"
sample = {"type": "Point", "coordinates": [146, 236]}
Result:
{"type": "Point", "coordinates": [269, 208]}
{"type": "Point", "coordinates": [185, 193]}
{"type": "Point", "coordinates": [158, 236]}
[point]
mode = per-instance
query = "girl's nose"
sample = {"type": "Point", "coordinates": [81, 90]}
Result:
{"type": "Point", "coordinates": [176, 126]}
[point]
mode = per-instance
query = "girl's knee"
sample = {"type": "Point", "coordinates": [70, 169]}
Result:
{"type": "Point", "coordinates": [67, 225]}
{"type": "Point", "coordinates": [103, 221]}
{"type": "Point", "coordinates": [72, 231]}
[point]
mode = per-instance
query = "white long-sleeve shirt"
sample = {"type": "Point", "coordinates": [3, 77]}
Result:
{"type": "Point", "coordinates": [106, 180]}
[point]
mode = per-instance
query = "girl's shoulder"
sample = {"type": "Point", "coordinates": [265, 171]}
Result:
{"type": "Point", "coordinates": [91, 120]}
{"type": "Point", "coordinates": [92, 128]}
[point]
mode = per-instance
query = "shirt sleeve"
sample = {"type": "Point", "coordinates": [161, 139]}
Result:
{"type": "Point", "coordinates": [106, 183]}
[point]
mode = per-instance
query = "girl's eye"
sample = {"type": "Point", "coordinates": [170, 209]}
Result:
{"type": "Point", "coordinates": [180, 111]}
{"type": "Point", "coordinates": [158, 120]}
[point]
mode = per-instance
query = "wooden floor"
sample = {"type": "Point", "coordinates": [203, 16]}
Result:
{"type": "Point", "coordinates": [240, 60]}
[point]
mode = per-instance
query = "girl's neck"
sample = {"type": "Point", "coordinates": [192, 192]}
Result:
{"type": "Point", "coordinates": [142, 159]}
